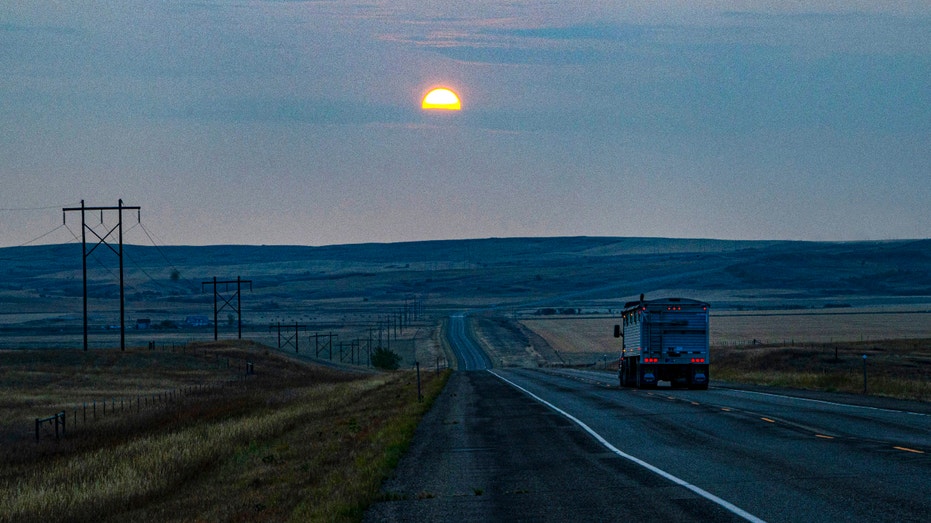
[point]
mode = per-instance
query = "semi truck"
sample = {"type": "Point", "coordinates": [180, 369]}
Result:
{"type": "Point", "coordinates": [663, 340]}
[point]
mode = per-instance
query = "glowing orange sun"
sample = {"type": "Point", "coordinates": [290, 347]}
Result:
{"type": "Point", "coordinates": [441, 98]}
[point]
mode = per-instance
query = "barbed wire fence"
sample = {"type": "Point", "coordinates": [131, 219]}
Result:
{"type": "Point", "coordinates": [80, 415]}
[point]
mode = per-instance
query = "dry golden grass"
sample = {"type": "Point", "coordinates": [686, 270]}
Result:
{"type": "Point", "coordinates": [788, 327]}
{"type": "Point", "coordinates": [295, 442]}
{"type": "Point", "coordinates": [571, 335]}
{"type": "Point", "coordinates": [895, 368]}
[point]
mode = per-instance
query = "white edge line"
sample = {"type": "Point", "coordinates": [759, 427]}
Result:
{"type": "Point", "coordinates": [701, 492]}
{"type": "Point", "coordinates": [825, 402]}
{"type": "Point", "coordinates": [787, 397]}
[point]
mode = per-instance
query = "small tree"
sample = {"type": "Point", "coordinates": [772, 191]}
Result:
{"type": "Point", "coordinates": [387, 359]}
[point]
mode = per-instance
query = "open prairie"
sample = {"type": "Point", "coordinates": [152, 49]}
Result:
{"type": "Point", "coordinates": [188, 435]}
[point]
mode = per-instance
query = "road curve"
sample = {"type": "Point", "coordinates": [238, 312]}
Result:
{"type": "Point", "coordinates": [468, 353]}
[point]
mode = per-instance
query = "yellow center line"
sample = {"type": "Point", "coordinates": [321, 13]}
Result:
{"type": "Point", "coordinates": [725, 409]}
{"type": "Point", "coordinates": [906, 449]}
{"type": "Point", "coordinates": [695, 403]}
{"type": "Point", "coordinates": [823, 436]}
{"type": "Point", "coordinates": [767, 420]}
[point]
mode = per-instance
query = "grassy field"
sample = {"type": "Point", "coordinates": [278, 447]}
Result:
{"type": "Point", "coordinates": [812, 351]}
{"type": "Point", "coordinates": [292, 442]}
{"type": "Point", "coordinates": [894, 368]}
{"type": "Point", "coordinates": [577, 334]}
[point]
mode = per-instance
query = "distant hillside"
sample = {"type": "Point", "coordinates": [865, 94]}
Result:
{"type": "Point", "coordinates": [501, 271]}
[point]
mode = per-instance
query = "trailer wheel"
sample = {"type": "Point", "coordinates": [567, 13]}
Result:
{"type": "Point", "coordinates": [639, 380]}
{"type": "Point", "coordinates": [624, 373]}
{"type": "Point", "coordinates": [703, 385]}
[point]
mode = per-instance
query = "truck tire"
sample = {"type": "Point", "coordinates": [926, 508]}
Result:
{"type": "Point", "coordinates": [640, 383]}
{"type": "Point", "coordinates": [698, 386]}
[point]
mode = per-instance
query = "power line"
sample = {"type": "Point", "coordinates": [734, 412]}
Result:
{"type": "Point", "coordinates": [162, 253]}
{"type": "Point", "coordinates": [131, 260]}
{"type": "Point", "coordinates": [21, 209]}
{"type": "Point", "coordinates": [37, 238]}
{"type": "Point", "coordinates": [136, 265]}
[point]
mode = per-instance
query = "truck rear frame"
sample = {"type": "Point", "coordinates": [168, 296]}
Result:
{"type": "Point", "coordinates": [664, 340]}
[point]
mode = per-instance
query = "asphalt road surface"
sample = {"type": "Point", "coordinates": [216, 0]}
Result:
{"type": "Point", "coordinates": [469, 355]}
{"type": "Point", "coordinates": [534, 445]}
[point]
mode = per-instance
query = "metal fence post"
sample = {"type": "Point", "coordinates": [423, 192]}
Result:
{"type": "Point", "coordinates": [864, 374]}
{"type": "Point", "coordinates": [419, 395]}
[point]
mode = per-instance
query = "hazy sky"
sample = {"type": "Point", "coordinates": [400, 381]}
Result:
{"type": "Point", "coordinates": [289, 122]}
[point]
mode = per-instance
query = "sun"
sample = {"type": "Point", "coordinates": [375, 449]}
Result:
{"type": "Point", "coordinates": [441, 98]}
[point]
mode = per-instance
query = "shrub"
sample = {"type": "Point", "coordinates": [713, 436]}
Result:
{"type": "Point", "coordinates": [387, 359]}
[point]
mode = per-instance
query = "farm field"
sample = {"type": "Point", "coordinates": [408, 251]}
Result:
{"type": "Point", "coordinates": [594, 335]}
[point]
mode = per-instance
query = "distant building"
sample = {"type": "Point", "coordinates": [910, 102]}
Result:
{"type": "Point", "coordinates": [143, 323]}
{"type": "Point", "coordinates": [197, 321]}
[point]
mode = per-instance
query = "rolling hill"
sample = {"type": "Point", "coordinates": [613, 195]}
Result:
{"type": "Point", "coordinates": [42, 285]}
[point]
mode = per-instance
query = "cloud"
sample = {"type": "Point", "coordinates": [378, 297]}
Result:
{"type": "Point", "coordinates": [604, 32]}
{"type": "Point", "coordinates": [488, 43]}
{"type": "Point", "coordinates": [320, 112]}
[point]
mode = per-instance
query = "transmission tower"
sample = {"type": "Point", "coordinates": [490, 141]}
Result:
{"type": "Point", "coordinates": [289, 339]}
{"type": "Point", "coordinates": [227, 302]}
{"type": "Point", "coordinates": [102, 240]}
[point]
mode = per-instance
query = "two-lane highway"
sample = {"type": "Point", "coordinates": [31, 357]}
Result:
{"type": "Point", "coordinates": [563, 444]}
{"type": "Point", "coordinates": [777, 457]}
{"type": "Point", "coordinates": [469, 355]}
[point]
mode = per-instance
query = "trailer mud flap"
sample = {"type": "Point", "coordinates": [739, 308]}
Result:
{"type": "Point", "coordinates": [647, 376]}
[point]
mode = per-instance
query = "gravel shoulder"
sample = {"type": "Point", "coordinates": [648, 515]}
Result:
{"type": "Point", "coordinates": [487, 452]}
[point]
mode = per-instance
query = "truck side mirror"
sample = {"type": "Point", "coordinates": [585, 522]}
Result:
{"type": "Point", "coordinates": [617, 332]}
